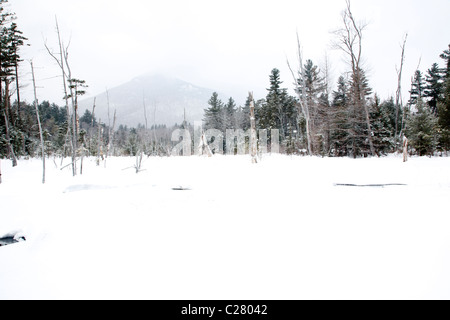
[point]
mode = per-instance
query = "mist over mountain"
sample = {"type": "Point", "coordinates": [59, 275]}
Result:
{"type": "Point", "coordinates": [166, 100]}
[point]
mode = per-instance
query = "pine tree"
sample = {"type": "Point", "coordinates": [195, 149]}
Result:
{"type": "Point", "coordinates": [339, 122]}
{"type": "Point", "coordinates": [417, 88]}
{"type": "Point", "coordinates": [360, 132]}
{"type": "Point", "coordinates": [434, 88]}
{"type": "Point", "coordinates": [243, 116]}
{"type": "Point", "coordinates": [314, 91]}
{"type": "Point", "coordinates": [348, 122]}
{"type": "Point", "coordinates": [6, 73]}
{"type": "Point", "coordinates": [271, 115]}
{"type": "Point", "coordinates": [446, 57]}
{"type": "Point", "coordinates": [422, 130]}
{"type": "Point", "coordinates": [350, 41]}
{"type": "Point", "coordinates": [16, 39]}
{"type": "Point", "coordinates": [214, 114]}
{"type": "Point", "coordinates": [11, 39]}
{"type": "Point", "coordinates": [88, 119]}
{"type": "Point", "coordinates": [444, 106]}
{"type": "Point", "coordinates": [383, 125]}
{"type": "Point", "coordinates": [340, 97]}
{"type": "Point", "coordinates": [230, 115]}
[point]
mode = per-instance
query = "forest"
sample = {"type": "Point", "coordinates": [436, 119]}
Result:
{"type": "Point", "coordinates": [349, 121]}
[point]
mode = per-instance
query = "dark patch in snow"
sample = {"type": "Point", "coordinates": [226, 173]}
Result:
{"type": "Point", "coordinates": [181, 189]}
{"type": "Point", "coordinates": [10, 239]}
{"type": "Point", "coordinates": [369, 185]}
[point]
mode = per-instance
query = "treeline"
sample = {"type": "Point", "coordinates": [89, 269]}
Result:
{"type": "Point", "coordinates": [351, 120]}
{"type": "Point", "coordinates": [337, 127]}
{"type": "Point", "coordinates": [94, 139]}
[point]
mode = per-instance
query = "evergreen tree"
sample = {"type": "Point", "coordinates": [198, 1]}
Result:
{"type": "Point", "coordinates": [214, 114]}
{"type": "Point", "coordinates": [359, 143]}
{"type": "Point", "coordinates": [433, 88]}
{"type": "Point", "coordinates": [11, 126]}
{"type": "Point", "coordinates": [444, 106]}
{"type": "Point", "coordinates": [417, 88]}
{"type": "Point", "coordinates": [230, 115]}
{"type": "Point", "coordinates": [278, 110]}
{"type": "Point", "coordinates": [16, 40]}
{"type": "Point", "coordinates": [271, 115]}
{"type": "Point", "coordinates": [383, 125]}
{"type": "Point", "coordinates": [446, 57]}
{"type": "Point", "coordinates": [314, 91]}
{"type": "Point", "coordinates": [422, 130]}
{"type": "Point", "coordinates": [340, 98]}
{"type": "Point", "coordinates": [87, 118]}
{"type": "Point", "coordinates": [339, 123]}
{"type": "Point", "coordinates": [243, 116]}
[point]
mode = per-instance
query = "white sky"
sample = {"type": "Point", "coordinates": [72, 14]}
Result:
{"type": "Point", "coordinates": [226, 45]}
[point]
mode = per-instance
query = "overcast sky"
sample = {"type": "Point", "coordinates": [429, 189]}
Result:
{"type": "Point", "coordinates": [229, 46]}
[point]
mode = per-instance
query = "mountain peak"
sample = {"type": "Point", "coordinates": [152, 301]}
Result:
{"type": "Point", "coordinates": [168, 96]}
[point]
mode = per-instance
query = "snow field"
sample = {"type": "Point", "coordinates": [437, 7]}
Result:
{"type": "Point", "coordinates": [276, 230]}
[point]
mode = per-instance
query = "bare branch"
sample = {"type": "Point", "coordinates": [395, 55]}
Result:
{"type": "Point", "coordinates": [399, 102]}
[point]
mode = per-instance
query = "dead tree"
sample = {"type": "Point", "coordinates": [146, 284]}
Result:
{"type": "Point", "coordinates": [203, 147]}
{"type": "Point", "coordinates": [349, 40]}
{"type": "Point", "coordinates": [405, 149]}
{"type": "Point", "coordinates": [301, 92]}
{"type": "Point", "coordinates": [100, 142]}
{"type": "Point", "coordinates": [39, 123]}
{"type": "Point", "coordinates": [398, 99]}
{"type": "Point", "coordinates": [146, 134]}
{"type": "Point", "coordinates": [110, 128]}
{"type": "Point", "coordinates": [61, 60]}
{"type": "Point", "coordinates": [253, 136]}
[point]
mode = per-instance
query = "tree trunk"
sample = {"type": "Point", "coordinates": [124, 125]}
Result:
{"type": "Point", "coordinates": [6, 115]}
{"type": "Point", "coordinates": [405, 149]}
{"type": "Point", "coordinates": [18, 90]}
{"type": "Point", "coordinates": [253, 137]}
{"type": "Point", "coordinates": [8, 139]}
{"type": "Point", "coordinates": [99, 143]}
{"type": "Point", "coordinates": [39, 124]}
{"type": "Point", "coordinates": [398, 100]}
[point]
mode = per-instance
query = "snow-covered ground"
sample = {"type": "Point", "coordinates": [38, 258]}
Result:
{"type": "Point", "coordinates": [280, 229]}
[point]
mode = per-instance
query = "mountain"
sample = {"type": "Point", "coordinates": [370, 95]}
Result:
{"type": "Point", "coordinates": [170, 97]}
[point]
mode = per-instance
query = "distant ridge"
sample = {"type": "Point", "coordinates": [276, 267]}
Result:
{"type": "Point", "coordinates": [170, 97]}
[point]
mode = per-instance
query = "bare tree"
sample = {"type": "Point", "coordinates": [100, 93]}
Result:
{"type": "Point", "coordinates": [39, 123]}
{"type": "Point", "coordinates": [145, 113]}
{"type": "Point", "coordinates": [349, 40]}
{"type": "Point", "coordinates": [110, 128]}
{"type": "Point", "coordinates": [398, 99]}
{"type": "Point", "coordinates": [405, 149]}
{"type": "Point", "coordinates": [61, 59]}
{"type": "Point", "coordinates": [100, 142]}
{"type": "Point", "coordinates": [301, 92]}
{"type": "Point", "coordinates": [253, 136]}
{"type": "Point", "coordinates": [324, 107]}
